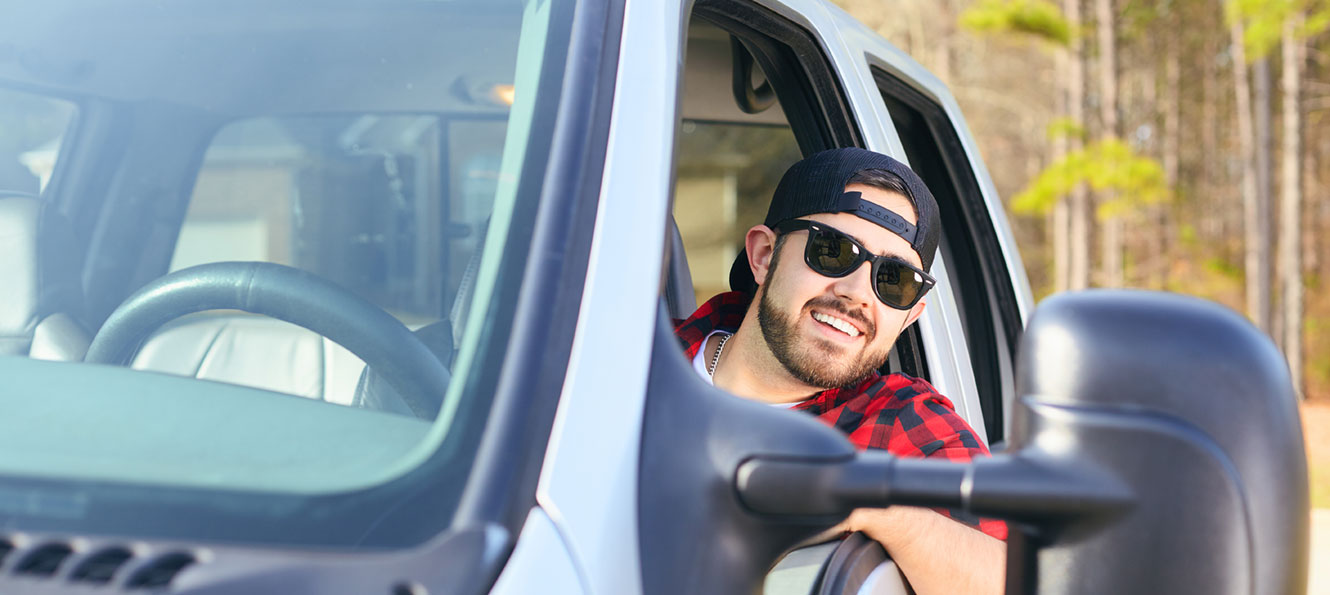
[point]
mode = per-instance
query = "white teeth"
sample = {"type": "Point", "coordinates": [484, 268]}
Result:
{"type": "Point", "coordinates": [837, 323]}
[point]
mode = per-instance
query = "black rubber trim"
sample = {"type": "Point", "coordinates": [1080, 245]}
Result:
{"type": "Point", "coordinates": [910, 349]}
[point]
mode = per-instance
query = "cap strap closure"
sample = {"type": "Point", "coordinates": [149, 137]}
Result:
{"type": "Point", "coordinates": [853, 202]}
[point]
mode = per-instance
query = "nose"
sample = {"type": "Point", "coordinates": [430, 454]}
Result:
{"type": "Point", "coordinates": [857, 287]}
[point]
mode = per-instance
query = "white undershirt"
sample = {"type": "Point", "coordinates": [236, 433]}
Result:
{"type": "Point", "coordinates": [700, 366]}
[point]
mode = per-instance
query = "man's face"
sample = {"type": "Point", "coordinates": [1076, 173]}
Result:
{"type": "Point", "coordinates": [799, 310]}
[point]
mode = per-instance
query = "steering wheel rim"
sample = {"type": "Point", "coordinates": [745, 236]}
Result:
{"type": "Point", "coordinates": [287, 294]}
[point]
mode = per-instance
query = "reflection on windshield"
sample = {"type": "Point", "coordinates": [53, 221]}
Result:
{"type": "Point", "coordinates": [31, 127]}
{"type": "Point", "coordinates": [358, 160]}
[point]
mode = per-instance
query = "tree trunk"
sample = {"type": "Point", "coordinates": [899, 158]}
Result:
{"type": "Point", "coordinates": [1257, 296]}
{"type": "Point", "coordinates": [1060, 221]}
{"type": "Point", "coordinates": [1171, 148]}
{"type": "Point", "coordinates": [1290, 239]}
{"type": "Point", "coordinates": [1061, 226]}
{"type": "Point", "coordinates": [1311, 258]}
{"type": "Point", "coordinates": [1321, 218]}
{"type": "Point", "coordinates": [1079, 208]}
{"type": "Point", "coordinates": [1262, 116]}
{"type": "Point", "coordinates": [1108, 117]}
{"type": "Point", "coordinates": [947, 41]}
{"type": "Point", "coordinates": [1213, 210]}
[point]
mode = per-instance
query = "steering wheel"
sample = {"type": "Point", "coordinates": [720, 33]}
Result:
{"type": "Point", "coordinates": [287, 294]}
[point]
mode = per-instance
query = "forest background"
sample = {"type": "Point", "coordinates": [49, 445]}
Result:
{"type": "Point", "coordinates": [1181, 145]}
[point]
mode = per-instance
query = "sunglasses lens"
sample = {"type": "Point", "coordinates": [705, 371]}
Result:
{"type": "Point", "coordinates": [897, 284]}
{"type": "Point", "coordinates": [832, 253]}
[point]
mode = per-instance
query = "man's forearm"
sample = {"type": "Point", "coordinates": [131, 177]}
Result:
{"type": "Point", "coordinates": [937, 555]}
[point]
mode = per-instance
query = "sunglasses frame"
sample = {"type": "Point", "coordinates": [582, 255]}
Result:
{"type": "Point", "coordinates": [863, 255]}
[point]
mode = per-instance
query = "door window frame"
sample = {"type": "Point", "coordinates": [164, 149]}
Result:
{"type": "Point", "coordinates": [990, 316]}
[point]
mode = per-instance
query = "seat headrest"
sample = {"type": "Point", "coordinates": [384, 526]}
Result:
{"type": "Point", "coordinates": [39, 272]}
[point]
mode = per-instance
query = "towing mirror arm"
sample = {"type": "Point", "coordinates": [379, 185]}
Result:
{"type": "Point", "coordinates": [1010, 487]}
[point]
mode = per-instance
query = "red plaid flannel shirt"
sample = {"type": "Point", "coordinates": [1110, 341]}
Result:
{"type": "Point", "coordinates": [902, 415]}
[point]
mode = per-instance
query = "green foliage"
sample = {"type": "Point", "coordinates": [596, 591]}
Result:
{"type": "Point", "coordinates": [1320, 485]}
{"type": "Point", "coordinates": [1317, 21]}
{"type": "Point", "coordinates": [1263, 21]}
{"type": "Point", "coordinates": [1187, 235]}
{"type": "Point", "coordinates": [1040, 19]}
{"type": "Point", "coordinates": [1137, 19]}
{"type": "Point", "coordinates": [1065, 127]}
{"type": "Point", "coordinates": [1108, 165]}
{"type": "Point", "coordinates": [1224, 268]}
{"type": "Point", "coordinates": [1317, 367]}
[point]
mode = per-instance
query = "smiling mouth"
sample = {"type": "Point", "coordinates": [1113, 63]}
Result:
{"type": "Point", "coordinates": [837, 323]}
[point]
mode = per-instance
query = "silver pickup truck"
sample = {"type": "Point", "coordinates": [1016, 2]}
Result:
{"type": "Point", "coordinates": [375, 296]}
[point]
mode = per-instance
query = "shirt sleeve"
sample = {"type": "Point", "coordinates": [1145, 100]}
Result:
{"type": "Point", "coordinates": [919, 422]}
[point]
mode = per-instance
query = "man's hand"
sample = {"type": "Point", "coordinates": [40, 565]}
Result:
{"type": "Point", "coordinates": [936, 554]}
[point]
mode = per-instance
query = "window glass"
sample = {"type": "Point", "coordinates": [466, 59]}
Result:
{"type": "Point", "coordinates": [726, 175]}
{"type": "Point", "coordinates": [375, 146]}
{"type": "Point", "coordinates": [31, 128]}
{"type": "Point", "coordinates": [391, 207]}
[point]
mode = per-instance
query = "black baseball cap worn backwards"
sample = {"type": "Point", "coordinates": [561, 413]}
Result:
{"type": "Point", "coordinates": [817, 185]}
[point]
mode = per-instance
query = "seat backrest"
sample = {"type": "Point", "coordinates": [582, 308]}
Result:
{"type": "Point", "coordinates": [679, 295]}
{"type": "Point", "coordinates": [375, 392]}
{"type": "Point", "coordinates": [240, 349]}
{"type": "Point", "coordinates": [40, 292]}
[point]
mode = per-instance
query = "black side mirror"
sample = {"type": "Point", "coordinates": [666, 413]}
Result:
{"type": "Point", "coordinates": [1191, 409]}
{"type": "Point", "coordinates": [1156, 448]}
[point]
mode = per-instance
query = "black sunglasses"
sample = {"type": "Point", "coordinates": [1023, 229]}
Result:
{"type": "Point", "coordinates": [834, 253]}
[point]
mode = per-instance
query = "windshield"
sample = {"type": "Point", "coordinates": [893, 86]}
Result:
{"type": "Point", "coordinates": [247, 254]}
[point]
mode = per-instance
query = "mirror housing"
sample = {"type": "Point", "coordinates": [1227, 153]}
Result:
{"type": "Point", "coordinates": [1156, 447]}
{"type": "Point", "coordinates": [1192, 408]}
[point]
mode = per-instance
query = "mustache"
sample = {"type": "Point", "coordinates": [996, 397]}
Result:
{"type": "Point", "coordinates": [842, 310]}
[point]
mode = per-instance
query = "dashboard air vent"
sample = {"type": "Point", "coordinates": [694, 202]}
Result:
{"type": "Point", "coordinates": [44, 560]}
{"type": "Point", "coordinates": [101, 567]}
{"type": "Point", "coordinates": [160, 572]}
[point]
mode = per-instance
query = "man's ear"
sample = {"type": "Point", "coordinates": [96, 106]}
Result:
{"type": "Point", "coordinates": [760, 243]}
{"type": "Point", "coordinates": [915, 312]}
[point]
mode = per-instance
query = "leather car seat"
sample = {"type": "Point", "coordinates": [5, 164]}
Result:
{"type": "Point", "coordinates": [242, 348]}
{"type": "Point", "coordinates": [40, 286]}
{"type": "Point", "coordinates": [680, 300]}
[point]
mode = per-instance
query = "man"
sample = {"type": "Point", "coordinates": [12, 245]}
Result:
{"type": "Point", "coordinates": [824, 288]}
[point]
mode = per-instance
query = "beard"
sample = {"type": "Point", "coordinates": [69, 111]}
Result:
{"type": "Point", "coordinates": [815, 361]}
